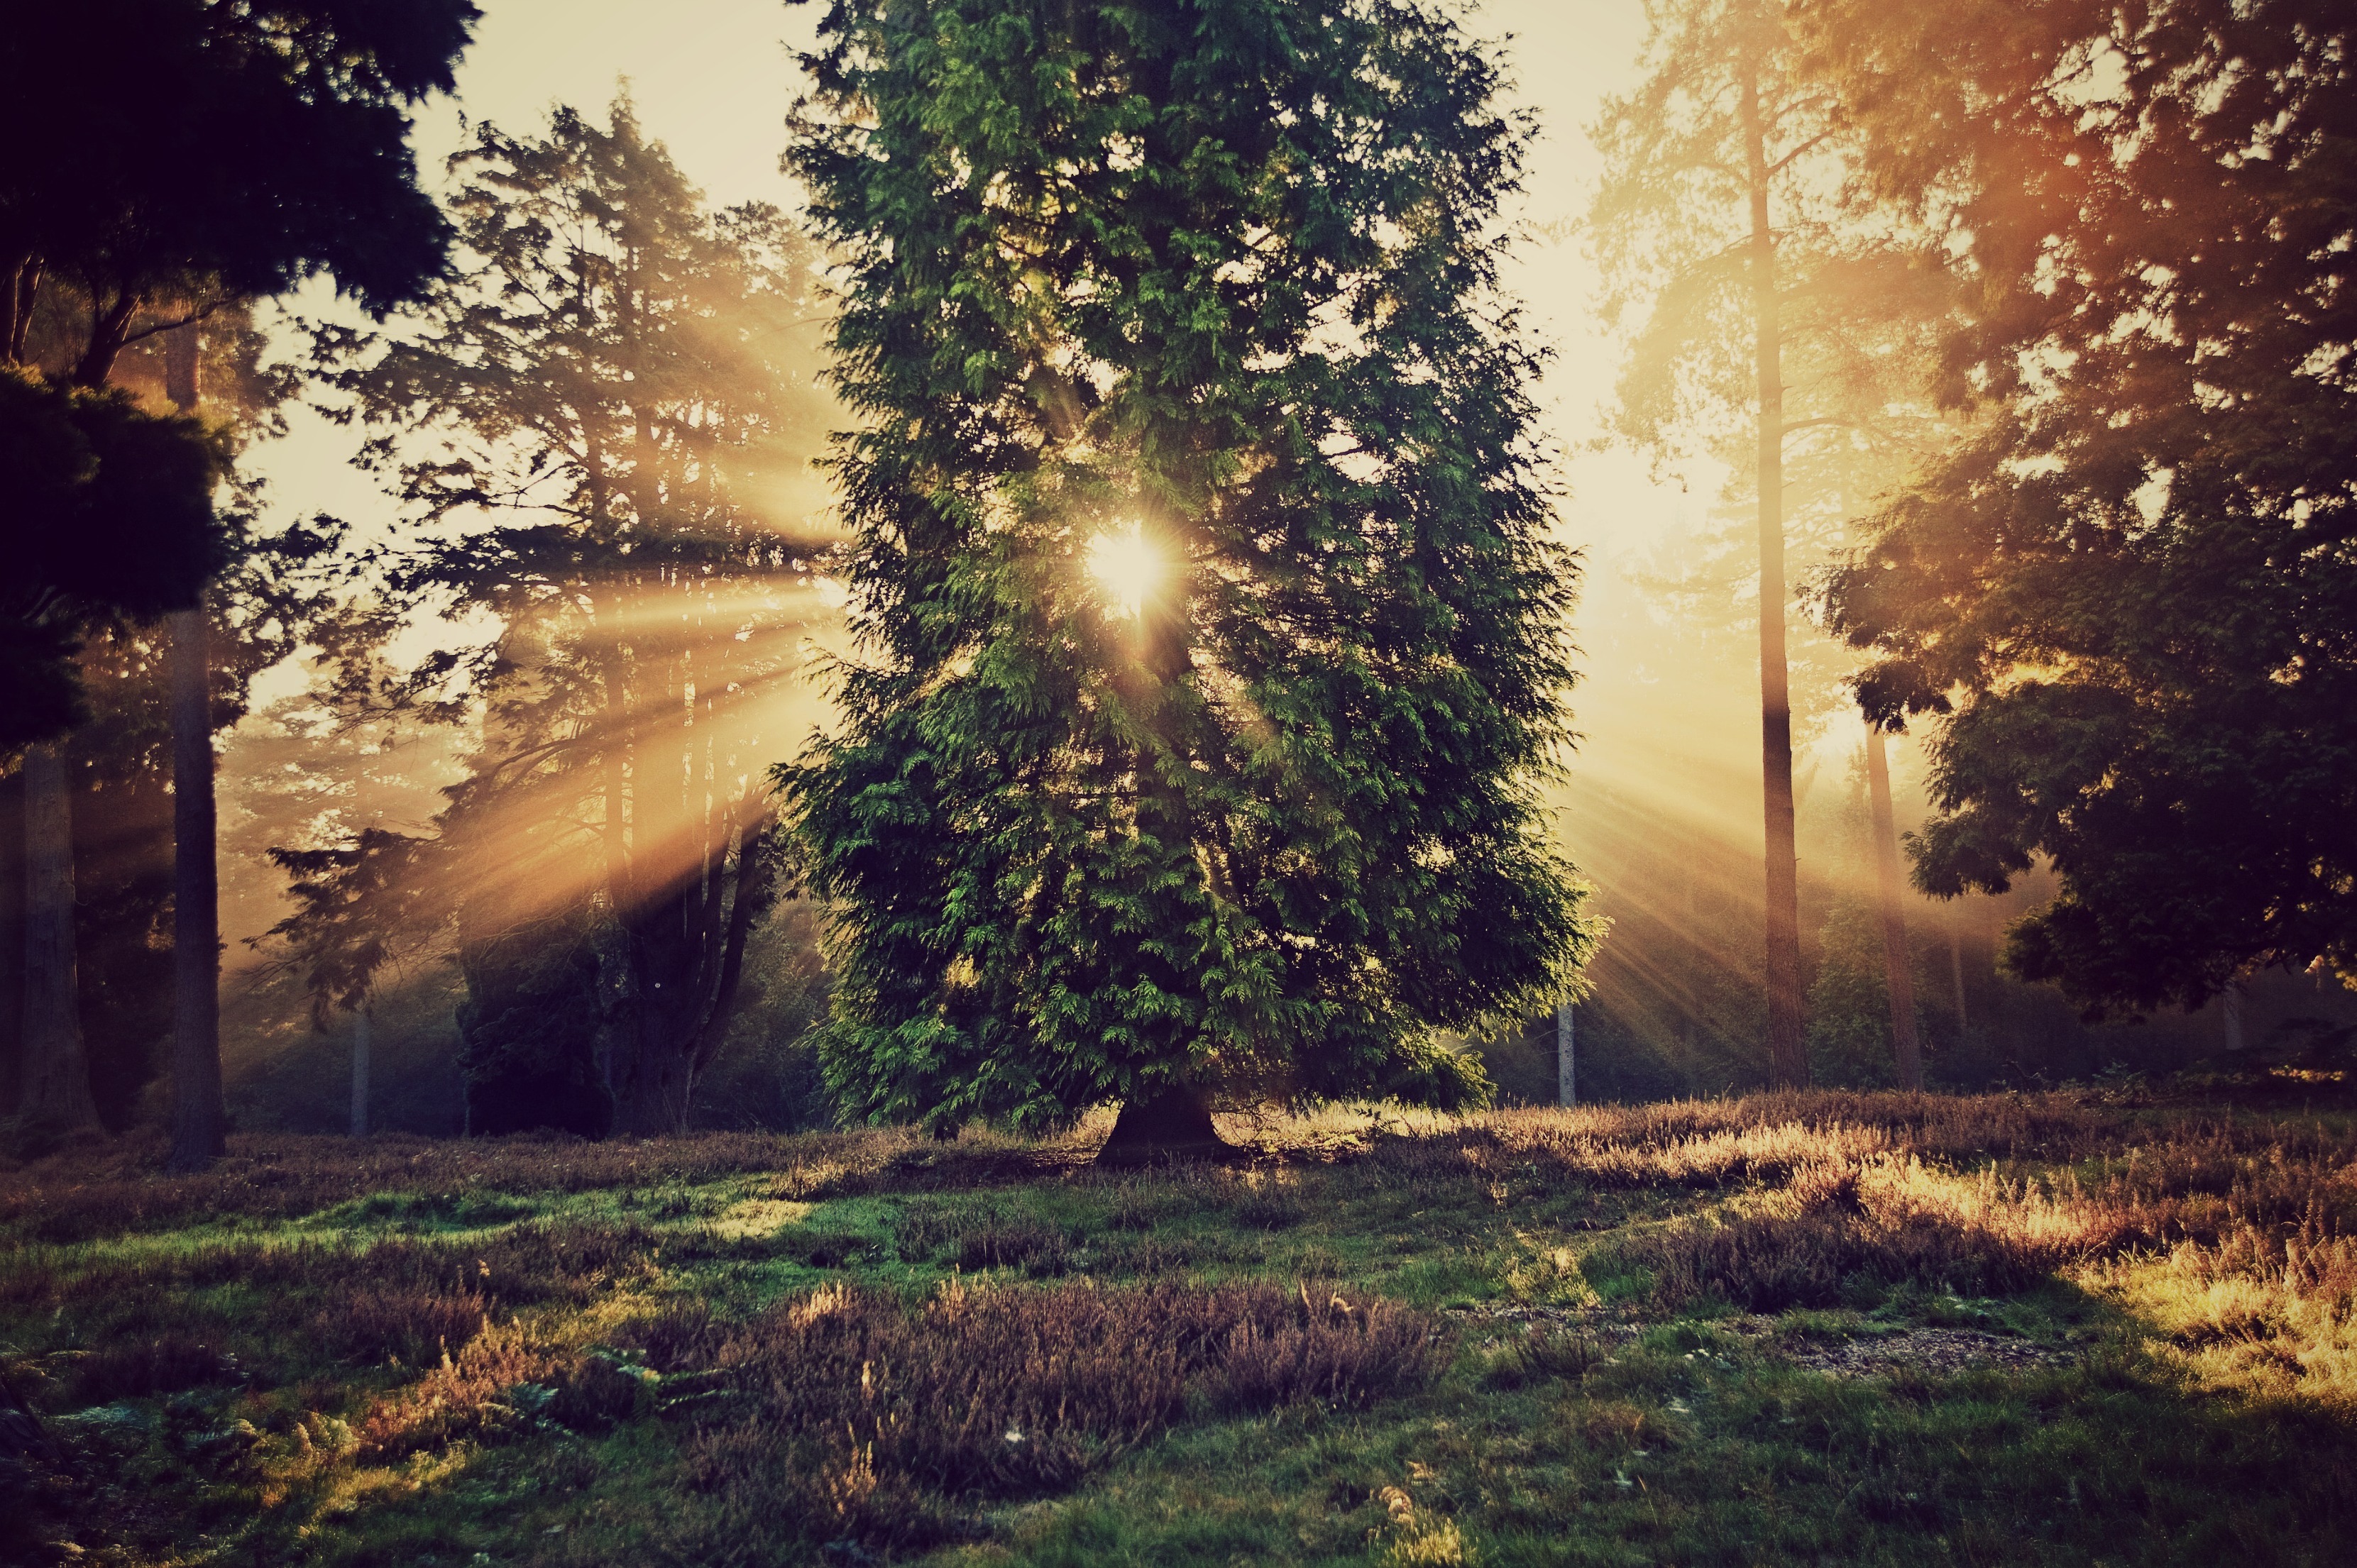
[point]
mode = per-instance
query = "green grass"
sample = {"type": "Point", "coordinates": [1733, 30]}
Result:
{"type": "Point", "coordinates": [1755, 1332]}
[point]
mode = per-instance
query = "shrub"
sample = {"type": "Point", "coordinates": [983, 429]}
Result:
{"type": "Point", "coordinates": [1037, 1249]}
{"type": "Point", "coordinates": [165, 1364]}
{"type": "Point", "coordinates": [853, 1417]}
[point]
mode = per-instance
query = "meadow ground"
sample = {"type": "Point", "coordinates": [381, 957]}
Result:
{"type": "Point", "coordinates": [1809, 1328]}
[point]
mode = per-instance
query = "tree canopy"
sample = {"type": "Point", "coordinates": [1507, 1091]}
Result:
{"type": "Point", "coordinates": [2133, 588]}
{"type": "Point", "coordinates": [1210, 638]}
{"type": "Point", "coordinates": [601, 426]}
{"type": "Point", "coordinates": [244, 146]}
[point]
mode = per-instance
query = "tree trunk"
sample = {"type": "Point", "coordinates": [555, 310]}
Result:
{"type": "Point", "coordinates": [1787, 1061]}
{"type": "Point", "coordinates": [1566, 1060]}
{"type": "Point", "coordinates": [1897, 964]}
{"type": "Point", "coordinates": [1172, 1123]}
{"type": "Point", "coordinates": [55, 1082]}
{"type": "Point", "coordinates": [199, 1120]}
{"type": "Point", "coordinates": [360, 1043]}
{"type": "Point", "coordinates": [1956, 972]}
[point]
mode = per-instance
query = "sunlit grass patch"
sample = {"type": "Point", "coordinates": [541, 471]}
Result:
{"type": "Point", "coordinates": [547, 1365]}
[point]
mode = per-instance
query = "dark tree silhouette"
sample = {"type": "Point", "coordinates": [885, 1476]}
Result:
{"type": "Point", "coordinates": [240, 149]}
{"type": "Point", "coordinates": [2133, 590]}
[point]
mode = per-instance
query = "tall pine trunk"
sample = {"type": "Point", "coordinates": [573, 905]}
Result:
{"type": "Point", "coordinates": [1897, 967]}
{"type": "Point", "coordinates": [199, 1117]}
{"type": "Point", "coordinates": [55, 1076]}
{"type": "Point", "coordinates": [1787, 1063]}
{"type": "Point", "coordinates": [199, 1120]}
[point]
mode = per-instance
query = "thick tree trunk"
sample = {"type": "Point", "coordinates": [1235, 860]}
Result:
{"type": "Point", "coordinates": [1897, 964]}
{"type": "Point", "coordinates": [199, 1120]}
{"type": "Point", "coordinates": [1172, 1124]}
{"type": "Point", "coordinates": [55, 1082]}
{"type": "Point", "coordinates": [1787, 1061]}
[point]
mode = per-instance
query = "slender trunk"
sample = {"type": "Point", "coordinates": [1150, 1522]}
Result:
{"type": "Point", "coordinates": [2230, 1009]}
{"type": "Point", "coordinates": [1898, 968]}
{"type": "Point", "coordinates": [756, 879]}
{"type": "Point", "coordinates": [11, 293]}
{"type": "Point", "coordinates": [26, 296]}
{"type": "Point", "coordinates": [199, 1120]}
{"type": "Point", "coordinates": [360, 1043]}
{"type": "Point", "coordinates": [1787, 1062]}
{"type": "Point", "coordinates": [1566, 1076]}
{"type": "Point", "coordinates": [56, 1085]}
{"type": "Point", "coordinates": [1956, 972]}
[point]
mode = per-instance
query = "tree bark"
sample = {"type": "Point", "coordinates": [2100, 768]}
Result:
{"type": "Point", "coordinates": [1173, 1124]}
{"type": "Point", "coordinates": [360, 1044]}
{"type": "Point", "coordinates": [199, 1120]}
{"type": "Point", "coordinates": [1566, 1058]}
{"type": "Point", "coordinates": [1897, 964]}
{"type": "Point", "coordinates": [1956, 972]}
{"type": "Point", "coordinates": [56, 1082]}
{"type": "Point", "coordinates": [1787, 1059]}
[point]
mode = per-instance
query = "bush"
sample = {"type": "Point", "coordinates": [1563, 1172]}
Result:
{"type": "Point", "coordinates": [845, 1416]}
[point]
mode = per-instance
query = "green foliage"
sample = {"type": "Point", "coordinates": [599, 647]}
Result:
{"type": "Point", "coordinates": [111, 514]}
{"type": "Point", "coordinates": [1218, 278]}
{"type": "Point", "coordinates": [620, 385]}
{"type": "Point", "coordinates": [528, 1029]}
{"type": "Point", "coordinates": [2133, 588]}
{"type": "Point", "coordinates": [241, 149]}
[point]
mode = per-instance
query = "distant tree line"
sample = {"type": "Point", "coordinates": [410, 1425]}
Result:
{"type": "Point", "coordinates": [2037, 318]}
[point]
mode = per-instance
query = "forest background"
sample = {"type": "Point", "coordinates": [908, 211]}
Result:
{"type": "Point", "coordinates": [1660, 811]}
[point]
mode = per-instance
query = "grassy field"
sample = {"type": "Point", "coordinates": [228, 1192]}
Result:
{"type": "Point", "coordinates": [1783, 1329]}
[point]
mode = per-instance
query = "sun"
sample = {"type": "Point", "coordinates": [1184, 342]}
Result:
{"type": "Point", "coordinates": [1127, 567]}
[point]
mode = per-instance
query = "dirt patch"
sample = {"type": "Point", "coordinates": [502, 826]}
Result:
{"type": "Point", "coordinates": [1935, 1351]}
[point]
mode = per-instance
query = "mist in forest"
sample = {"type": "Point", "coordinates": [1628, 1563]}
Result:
{"type": "Point", "coordinates": [496, 748]}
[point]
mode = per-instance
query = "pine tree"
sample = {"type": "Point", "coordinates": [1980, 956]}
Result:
{"type": "Point", "coordinates": [1782, 330]}
{"type": "Point", "coordinates": [602, 425]}
{"type": "Point", "coordinates": [298, 113]}
{"type": "Point", "coordinates": [2132, 591]}
{"type": "Point", "coordinates": [1209, 642]}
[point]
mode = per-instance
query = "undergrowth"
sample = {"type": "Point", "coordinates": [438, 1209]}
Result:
{"type": "Point", "coordinates": [1699, 1332]}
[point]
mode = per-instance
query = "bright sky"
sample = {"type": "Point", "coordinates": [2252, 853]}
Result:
{"type": "Point", "coordinates": [714, 78]}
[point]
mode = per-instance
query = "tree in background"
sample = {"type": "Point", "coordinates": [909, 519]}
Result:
{"type": "Point", "coordinates": [619, 388]}
{"type": "Point", "coordinates": [1783, 326]}
{"type": "Point", "coordinates": [1210, 643]}
{"type": "Point", "coordinates": [2133, 590]}
{"type": "Point", "coordinates": [301, 108]}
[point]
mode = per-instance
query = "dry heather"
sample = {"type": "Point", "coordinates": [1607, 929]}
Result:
{"type": "Point", "coordinates": [842, 1414]}
{"type": "Point", "coordinates": [2235, 1235]}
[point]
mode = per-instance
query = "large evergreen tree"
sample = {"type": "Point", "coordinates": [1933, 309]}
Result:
{"type": "Point", "coordinates": [1211, 642]}
{"type": "Point", "coordinates": [2132, 591]}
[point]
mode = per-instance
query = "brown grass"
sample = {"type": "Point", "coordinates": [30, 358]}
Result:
{"type": "Point", "coordinates": [849, 1415]}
